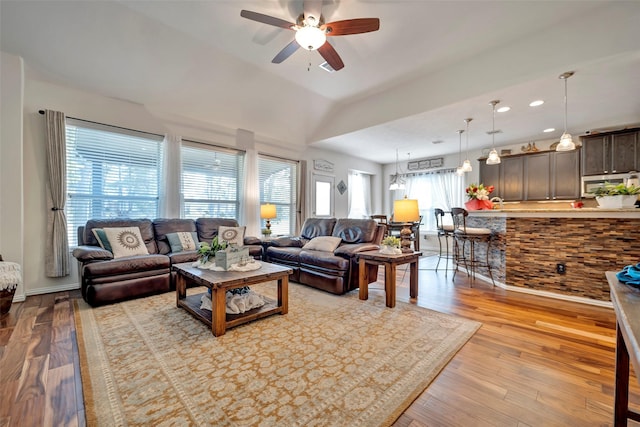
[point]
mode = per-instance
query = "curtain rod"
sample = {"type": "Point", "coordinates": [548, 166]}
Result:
{"type": "Point", "coordinates": [104, 124]}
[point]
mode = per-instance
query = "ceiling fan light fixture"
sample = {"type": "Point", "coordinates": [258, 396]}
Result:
{"type": "Point", "coordinates": [310, 38]}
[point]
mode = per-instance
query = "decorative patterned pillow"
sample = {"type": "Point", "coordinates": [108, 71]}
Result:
{"type": "Point", "coordinates": [323, 243]}
{"type": "Point", "coordinates": [183, 241]}
{"type": "Point", "coordinates": [232, 235]}
{"type": "Point", "coordinates": [125, 241]}
{"type": "Point", "coordinates": [101, 237]}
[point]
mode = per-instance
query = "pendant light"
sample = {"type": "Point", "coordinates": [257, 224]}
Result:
{"type": "Point", "coordinates": [466, 165]}
{"type": "Point", "coordinates": [493, 158]}
{"type": "Point", "coordinates": [566, 143]}
{"type": "Point", "coordinates": [460, 169]}
{"type": "Point", "coordinates": [397, 183]}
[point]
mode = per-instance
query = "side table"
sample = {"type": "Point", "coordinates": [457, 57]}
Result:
{"type": "Point", "coordinates": [390, 263]}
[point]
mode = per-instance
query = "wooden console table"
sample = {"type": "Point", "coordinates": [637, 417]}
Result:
{"type": "Point", "coordinates": [626, 303]}
{"type": "Point", "coordinates": [390, 262]}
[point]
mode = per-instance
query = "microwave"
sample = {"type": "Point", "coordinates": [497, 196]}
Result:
{"type": "Point", "coordinates": [592, 183]}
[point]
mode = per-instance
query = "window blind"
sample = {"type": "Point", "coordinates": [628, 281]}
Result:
{"type": "Point", "coordinates": [277, 180]}
{"type": "Point", "coordinates": [111, 173]}
{"type": "Point", "coordinates": [211, 181]}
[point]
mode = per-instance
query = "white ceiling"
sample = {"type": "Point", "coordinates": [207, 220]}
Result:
{"type": "Point", "coordinates": [431, 64]}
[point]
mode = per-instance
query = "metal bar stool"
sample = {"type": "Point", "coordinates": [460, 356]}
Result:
{"type": "Point", "coordinates": [472, 236]}
{"type": "Point", "coordinates": [444, 232]}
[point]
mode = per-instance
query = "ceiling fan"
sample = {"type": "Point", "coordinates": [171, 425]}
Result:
{"type": "Point", "coordinates": [312, 32]}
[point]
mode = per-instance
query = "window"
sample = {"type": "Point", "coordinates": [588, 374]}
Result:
{"type": "Point", "coordinates": [359, 195]}
{"type": "Point", "coordinates": [439, 189]}
{"type": "Point", "coordinates": [211, 181]}
{"type": "Point", "coordinates": [323, 195]}
{"type": "Point", "coordinates": [278, 186]}
{"type": "Point", "coordinates": [111, 172]}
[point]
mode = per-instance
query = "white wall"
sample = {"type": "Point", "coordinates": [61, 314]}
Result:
{"type": "Point", "coordinates": [11, 165]}
{"type": "Point", "coordinates": [90, 106]}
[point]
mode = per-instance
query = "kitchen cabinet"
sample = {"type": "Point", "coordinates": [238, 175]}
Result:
{"type": "Point", "coordinates": [512, 178]}
{"type": "Point", "coordinates": [565, 168]}
{"type": "Point", "coordinates": [615, 152]}
{"type": "Point", "coordinates": [548, 175]}
{"type": "Point", "coordinates": [537, 171]}
{"type": "Point", "coordinates": [490, 175]}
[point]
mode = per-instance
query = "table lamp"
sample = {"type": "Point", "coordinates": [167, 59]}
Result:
{"type": "Point", "coordinates": [268, 211]}
{"type": "Point", "coordinates": [406, 211]}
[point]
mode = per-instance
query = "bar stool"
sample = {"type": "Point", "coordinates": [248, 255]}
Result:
{"type": "Point", "coordinates": [473, 236]}
{"type": "Point", "coordinates": [444, 231]}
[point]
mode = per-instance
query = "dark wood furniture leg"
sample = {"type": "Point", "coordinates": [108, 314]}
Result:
{"type": "Point", "coordinates": [283, 294]}
{"type": "Point", "coordinates": [363, 292]}
{"type": "Point", "coordinates": [219, 312]}
{"type": "Point", "coordinates": [390, 283]}
{"type": "Point", "coordinates": [413, 279]}
{"type": "Point", "coordinates": [181, 288]}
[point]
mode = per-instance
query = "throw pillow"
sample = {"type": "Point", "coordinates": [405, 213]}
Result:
{"type": "Point", "coordinates": [323, 243]}
{"type": "Point", "coordinates": [125, 241]}
{"type": "Point", "coordinates": [101, 237]}
{"type": "Point", "coordinates": [183, 241]}
{"type": "Point", "coordinates": [232, 235]}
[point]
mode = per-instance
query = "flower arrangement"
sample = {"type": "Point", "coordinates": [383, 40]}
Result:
{"type": "Point", "coordinates": [392, 241]}
{"type": "Point", "coordinates": [207, 252]}
{"type": "Point", "coordinates": [479, 192]}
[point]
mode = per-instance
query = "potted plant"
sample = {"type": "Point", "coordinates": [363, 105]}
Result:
{"type": "Point", "coordinates": [207, 253]}
{"type": "Point", "coordinates": [390, 245]}
{"type": "Point", "coordinates": [618, 196]}
{"type": "Point", "coordinates": [478, 196]}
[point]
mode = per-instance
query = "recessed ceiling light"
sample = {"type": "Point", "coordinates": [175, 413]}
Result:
{"type": "Point", "coordinates": [537, 103]}
{"type": "Point", "coordinates": [549, 130]}
{"type": "Point", "coordinates": [503, 109]}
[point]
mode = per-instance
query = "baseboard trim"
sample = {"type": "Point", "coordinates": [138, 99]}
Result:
{"type": "Point", "coordinates": [52, 289]}
{"type": "Point", "coordinates": [547, 294]}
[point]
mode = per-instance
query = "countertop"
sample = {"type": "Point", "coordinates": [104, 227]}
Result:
{"type": "Point", "coordinates": [560, 213]}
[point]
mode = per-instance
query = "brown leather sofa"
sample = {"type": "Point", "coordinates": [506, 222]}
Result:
{"type": "Point", "coordinates": [336, 272]}
{"type": "Point", "coordinates": [105, 279]}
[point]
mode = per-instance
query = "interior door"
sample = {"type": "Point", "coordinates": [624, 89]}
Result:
{"type": "Point", "coordinates": [323, 197]}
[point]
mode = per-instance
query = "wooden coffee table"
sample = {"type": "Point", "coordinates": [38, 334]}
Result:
{"type": "Point", "coordinates": [390, 263]}
{"type": "Point", "coordinates": [220, 282]}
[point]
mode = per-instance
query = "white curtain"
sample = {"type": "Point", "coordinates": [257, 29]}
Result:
{"type": "Point", "coordinates": [57, 247]}
{"type": "Point", "coordinates": [171, 191]}
{"type": "Point", "coordinates": [441, 189]}
{"type": "Point", "coordinates": [359, 195]}
{"type": "Point", "coordinates": [301, 200]}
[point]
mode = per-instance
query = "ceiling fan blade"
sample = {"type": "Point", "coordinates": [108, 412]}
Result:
{"type": "Point", "coordinates": [331, 56]}
{"type": "Point", "coordinates": [351, 26]}
{"type": "Point", "coordinates": [266, 19]}
{"type": "Point", "coordinates": [286, 52]}
{"type": "Point", "coordinates": [313, 8]}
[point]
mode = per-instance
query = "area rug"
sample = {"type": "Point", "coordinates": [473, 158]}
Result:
{"type": "Point", "coordinates": [331, 361]}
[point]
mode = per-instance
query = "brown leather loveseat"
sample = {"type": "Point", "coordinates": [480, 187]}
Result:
{"type": "Point", "coordinates": [105, 279]}
{"type": "Point", "coordinates": [332, 271]}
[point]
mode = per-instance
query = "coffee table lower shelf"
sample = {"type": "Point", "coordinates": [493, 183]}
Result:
{"type": "Point", "coordinates": [192, 304]}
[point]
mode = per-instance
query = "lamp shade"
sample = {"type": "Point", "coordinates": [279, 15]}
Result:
{"type": "Point", "coordinates": [310, 38]}
{"type": "Point", "coordinates": [267, 211]}
{"type": "Point", "coordinates": [406, 210]}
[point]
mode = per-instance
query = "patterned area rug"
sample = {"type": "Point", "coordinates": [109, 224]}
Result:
{"type": "Point", "coordinates": [331, 361]}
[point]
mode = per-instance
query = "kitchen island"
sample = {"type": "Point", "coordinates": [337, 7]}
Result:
{"type": "Point", "coordinates": [530, 245]}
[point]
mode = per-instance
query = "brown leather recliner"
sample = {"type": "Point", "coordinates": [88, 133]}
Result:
{"type": "Point", "coordinates": [105, 279]}
{"type": "Point", "coordinates": [336, 272]}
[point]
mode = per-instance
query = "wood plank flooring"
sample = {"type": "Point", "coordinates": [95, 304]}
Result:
{"type": "Point", "coordinates": [534, 362]}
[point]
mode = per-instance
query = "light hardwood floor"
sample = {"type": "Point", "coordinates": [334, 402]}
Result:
{"type": "Point", "coordinates": [535, 361]}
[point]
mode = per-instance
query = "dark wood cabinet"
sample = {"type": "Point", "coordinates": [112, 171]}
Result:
{"type": "Point", "coordinates": [537, 172]}
{"type": "Point", "coordinates": [512, 178]}
{"type": "Point", "coordinates": [615, 152]}
{"type": "Point", "coordinates": [490, 175]}
{"type": "Point", "coordinates": [565, 174]}
{"type": "Point", "coordinates": [548, 175]}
